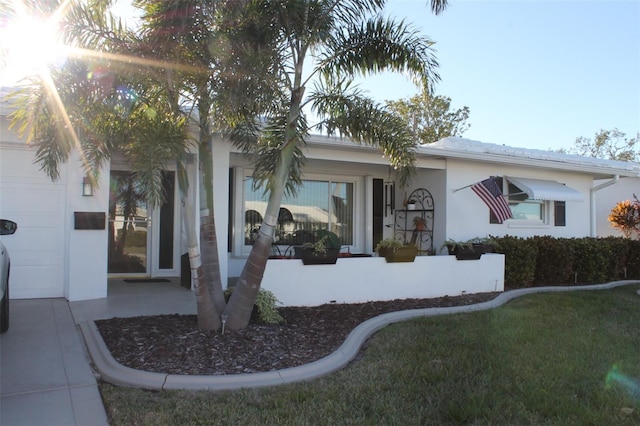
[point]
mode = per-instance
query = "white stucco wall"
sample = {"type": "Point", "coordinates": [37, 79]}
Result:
{"type": "Point", "coordinates": [608, 197]}
{"type": "Point", "coordinates": [468, 216]}
{"type": "Point", "coordinates": [359, 280]}
{"type": "Point", "coordinates": [87, 250]}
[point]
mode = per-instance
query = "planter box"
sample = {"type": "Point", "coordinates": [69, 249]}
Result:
{"type": "Point", "coordinates": [310, 258]}
{"type": "Point", "coordinates": [403, 254]}
{"type": "Point", "coordinates": [469, 253]}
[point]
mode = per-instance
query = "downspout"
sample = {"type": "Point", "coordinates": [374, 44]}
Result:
{"type": "Point", "coordinates": [592, 196]}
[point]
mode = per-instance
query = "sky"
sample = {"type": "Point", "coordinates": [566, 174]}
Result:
{"type": "Point", "coordinates": [534, 74]}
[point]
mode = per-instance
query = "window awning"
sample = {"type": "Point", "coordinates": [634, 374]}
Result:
{"type": "Point", "coordinates": [539, 189]}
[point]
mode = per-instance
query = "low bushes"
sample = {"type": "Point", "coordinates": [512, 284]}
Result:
{"type": "Point", "coordinates": [544, 260]}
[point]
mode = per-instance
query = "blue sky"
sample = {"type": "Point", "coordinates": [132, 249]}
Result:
{"type": "Point", "coordinates": [535, 74]}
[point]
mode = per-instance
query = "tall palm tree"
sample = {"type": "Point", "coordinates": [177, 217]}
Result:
{"type": "Point", "coordinates": [131, 99]}
{"type": "Point", "coordinates": [228, 61]}
{"type": "Point", "coordinates": [327, 42]}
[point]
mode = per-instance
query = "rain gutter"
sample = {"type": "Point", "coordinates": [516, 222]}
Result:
{"type": "Point", "coordinates": [592, 197]}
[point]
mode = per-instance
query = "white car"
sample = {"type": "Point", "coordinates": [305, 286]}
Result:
{"type": "Point", "coordinates": [7, 227]}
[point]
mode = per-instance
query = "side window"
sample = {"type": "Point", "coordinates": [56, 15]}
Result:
{"type": "Point", "coordinates": [522, 208]}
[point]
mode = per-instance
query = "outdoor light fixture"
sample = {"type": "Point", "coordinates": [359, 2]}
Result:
{"type": "Point", "coordinates": [87, 187]}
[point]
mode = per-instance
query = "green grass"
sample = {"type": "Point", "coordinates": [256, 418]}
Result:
{"type": "Point", "coordinates": [546, 359]}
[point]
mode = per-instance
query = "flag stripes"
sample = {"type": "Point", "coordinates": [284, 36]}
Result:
{"type": "Point", "coordinates": [489, 192]}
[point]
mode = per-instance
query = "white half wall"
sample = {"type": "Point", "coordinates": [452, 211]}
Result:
{"type": "Point", "coordinates": [358, 280]}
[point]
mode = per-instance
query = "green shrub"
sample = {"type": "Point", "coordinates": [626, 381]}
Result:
{"type": "Point", "coordinates": [633, 260]}
{"type": "Point", "coordinates": [590, 260]}
{"type": "Point", "coordinates": [519, 258]}
{"type": "Point", "coordinates": [618, 249]}
{"type": "Point", "coordinates": [265, 309]}
{"type": "Point", "coordinates": [554, 262]}
{"type": "Point", "coordinates": [544, 260]}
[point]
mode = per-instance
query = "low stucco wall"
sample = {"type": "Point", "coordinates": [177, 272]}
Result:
{"type": "Point", "coordinates": [357, 280]}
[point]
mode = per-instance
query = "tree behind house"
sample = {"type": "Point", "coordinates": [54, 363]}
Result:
{"type": "Point", "coordinates": [430, 117]}
{"type": "Point", "coordinates": [609, 145]}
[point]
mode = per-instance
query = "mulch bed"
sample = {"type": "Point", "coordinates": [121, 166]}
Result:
{"type": "Point", "coordinates": [173, 344]}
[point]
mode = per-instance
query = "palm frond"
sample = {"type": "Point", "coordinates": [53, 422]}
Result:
{"type": "Point", "coordinates": [381, 44]}
{"type": "Point", "coordinates": [348, 112]}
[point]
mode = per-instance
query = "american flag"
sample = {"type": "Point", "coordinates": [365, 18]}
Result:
{"type": "Point", "coordinates": [489, 192]}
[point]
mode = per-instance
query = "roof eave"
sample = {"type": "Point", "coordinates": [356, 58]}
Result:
{"type": "Point", "coordinates": [597, 172]}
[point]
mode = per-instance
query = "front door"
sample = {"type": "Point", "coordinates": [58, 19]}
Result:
{"type": "Point", "coordinates": [129, 226]}
{"type": "Point", "coordinates": [142, 239]}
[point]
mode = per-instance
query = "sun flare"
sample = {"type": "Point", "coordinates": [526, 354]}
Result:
{"type": "Point", "coordinates": [28, 46]}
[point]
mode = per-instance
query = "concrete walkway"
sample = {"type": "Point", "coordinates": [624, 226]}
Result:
{"type": "Point", "coordinates": [45, 378]}
{"type": "Point", "coordinates": [45, 373]}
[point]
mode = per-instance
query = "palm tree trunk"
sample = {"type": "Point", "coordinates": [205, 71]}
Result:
{"type": "Point", "coordinates": [244, 295]}
{"type": "Point", "coordinates": [208, 318]}
{"type": "Point", "coordinates": [211, 261]}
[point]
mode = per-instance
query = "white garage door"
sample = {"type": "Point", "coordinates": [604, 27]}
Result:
{"type": "Point", "coordinates": [28, 197]}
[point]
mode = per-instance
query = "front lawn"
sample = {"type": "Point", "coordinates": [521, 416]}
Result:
{"type": "Point", "coordinates": [558, 358]}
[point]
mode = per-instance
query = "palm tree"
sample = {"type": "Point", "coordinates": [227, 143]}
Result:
{"type": "Point", "coordinates": [327, 42]}
{"type": "Point", "coordinates": [228, 61]}
{"type": "Point", "coordinates": [132, 100]}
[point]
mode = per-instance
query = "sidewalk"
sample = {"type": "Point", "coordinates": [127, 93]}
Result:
{"type": "Point", "coordinates": [45, 378]}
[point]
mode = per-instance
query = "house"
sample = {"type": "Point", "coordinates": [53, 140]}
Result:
{"type": "Point", "coordinates": [70, 236]}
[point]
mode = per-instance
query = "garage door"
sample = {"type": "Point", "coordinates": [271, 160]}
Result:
{"type": "Point", "coordinates": [37, 249]}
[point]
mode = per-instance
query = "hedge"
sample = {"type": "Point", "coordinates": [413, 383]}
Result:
{"type": "Point", "coordinates": [544, 260]}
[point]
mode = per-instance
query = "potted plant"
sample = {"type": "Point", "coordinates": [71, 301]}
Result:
{"type": "Point", "coordinates": [464, 250]}
{"type": "Point", "coordinates": [394, 250]}
{"type": "Point", "coordinates": [419, 223]}
{"type": "Point", "coordinates": [411, 204]}
{"type": "Point", "coordinates": [467, 251]}
{"type": "Point", "coordinates": [324, 251]}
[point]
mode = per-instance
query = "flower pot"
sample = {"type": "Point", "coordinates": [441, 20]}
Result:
{"type": "Point", "coordinates": [468, 253]}
{"type": "Point", "coordinates": [310, 258]}
{"type": "Point", "coordinates": [403, 254]}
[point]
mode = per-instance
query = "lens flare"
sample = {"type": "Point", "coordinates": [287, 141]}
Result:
{"type": "Point", "coordinates": [632, 386]}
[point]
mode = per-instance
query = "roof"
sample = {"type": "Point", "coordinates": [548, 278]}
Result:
{"type": "Point", "coordinates": [454, 147]}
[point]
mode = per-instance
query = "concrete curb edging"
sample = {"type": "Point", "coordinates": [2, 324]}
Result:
{"type": "Point", "coordinates": [113, 372]}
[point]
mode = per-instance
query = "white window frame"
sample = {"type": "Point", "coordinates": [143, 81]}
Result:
{"type": "Point", "coordinates": [241, 249]}
{"type": "Point", "coordinates": [514, 222]}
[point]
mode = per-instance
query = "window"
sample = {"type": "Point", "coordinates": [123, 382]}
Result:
{"type": "Point", "coordinates": [522, 208]}
{"type": "Point", "coordinates": [319, 204]}
{"type": "Point", "coordinates": [536, 202]}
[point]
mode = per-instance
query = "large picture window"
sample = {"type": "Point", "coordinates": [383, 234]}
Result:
{"type": "Point", "coordinates": [319, 204]}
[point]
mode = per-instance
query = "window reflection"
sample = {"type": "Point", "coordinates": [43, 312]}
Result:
{"type": "Point", "coordinates": [318, 205]}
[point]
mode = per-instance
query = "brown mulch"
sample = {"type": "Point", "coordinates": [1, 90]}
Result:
{"type": "Point", "coordinates": [173, 344]}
